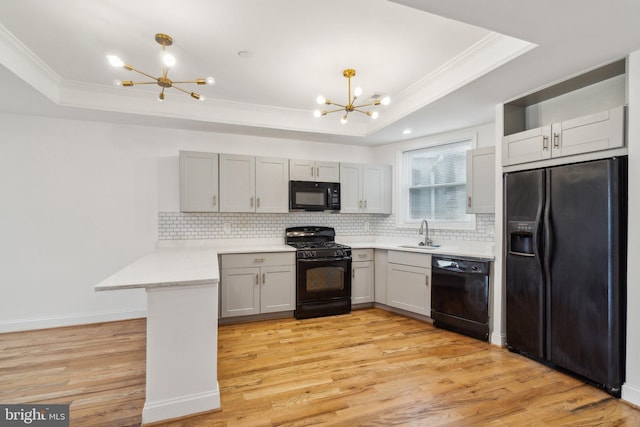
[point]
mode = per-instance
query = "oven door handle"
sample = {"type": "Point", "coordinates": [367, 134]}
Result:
{"type": "Point", "coordinates": [346, 258]}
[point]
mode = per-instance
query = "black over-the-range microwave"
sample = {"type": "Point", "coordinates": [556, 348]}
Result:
{"type": "Point", "coordinates": [314, 196]}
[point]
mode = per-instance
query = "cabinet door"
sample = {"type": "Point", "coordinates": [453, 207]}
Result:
{"type": "Point", "coordinates": [481, 191]}
{"type": "Point", "coordinates": [528, 146]}
{"type": "Point", "coordinates": [350, 188]}
{"type": "Point", "coordinates": [595, 132]}
{"type": "Point", "coordinates": [380, 276]}
{"type": "Point", "coordinates": [239, 292]}
{"type": "Point", "coordinates": [301, 170]}
{"type": "Point", "coordinates": [376, 189]}
{"type": "Point", "coordinates": [361, 282]}
{"type": "Point", "coordinates": [272, 185]}
{"type": "Point", "coordinates": [327, 171]}
{"type": "Point", "coordinates": [409, 288]}
{"type": "Point", "coordinates": [198, 182]}
{"type": "Point", "coordinates": [277, 290]}
{"type": "Point", "coordinates": [237, 183]}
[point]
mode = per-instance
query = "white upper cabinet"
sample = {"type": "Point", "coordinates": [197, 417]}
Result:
{"type": "Point", "coordinates": [365, 188]}
{"type": "Point", "coordinates": [481, 191]}
{"type": "Point", "coordinates": [272, 184]}
{"type": "Point", "coordinates": [309, 170]}
{"type": "Point", "coordinates": [583, 116]}
{"type": "Point", "coordinates": [237, 183]}
{"type": "Point", "coordinates": [250, 184]}
{"type": "Point", "coordinates": [198, 182]}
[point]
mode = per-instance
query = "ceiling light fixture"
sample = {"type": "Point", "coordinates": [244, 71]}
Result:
{"type": "Point", "coordinates": [348, 73]}
{"type": "Point", "coordinates": [164, 82]}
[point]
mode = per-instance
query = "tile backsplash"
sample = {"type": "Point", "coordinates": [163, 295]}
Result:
{"type": "Point", "coordinates": [191, 226]}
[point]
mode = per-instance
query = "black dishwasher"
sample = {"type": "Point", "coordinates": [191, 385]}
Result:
{"type": "Point", "coordinates": [460, 295]}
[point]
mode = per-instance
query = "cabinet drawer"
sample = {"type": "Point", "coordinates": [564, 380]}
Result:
{"type": "Point", "coordinates": [361, 255]}
{"type": "Point", "coordinates": [409, 258]}
{"type": "Point", "coordinates": [257, 259]}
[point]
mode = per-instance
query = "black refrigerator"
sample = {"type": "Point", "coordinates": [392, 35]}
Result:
{"type": "Point", "coordinates": [565, 230]}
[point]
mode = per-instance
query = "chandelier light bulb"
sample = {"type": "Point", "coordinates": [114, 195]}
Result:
{"type": "Point", "coordinates": [211, 81]}
{"type": "Point", "coordinates": [117, 83]}
{"type": "Point", "coordinates": [317, 113]}
{"type": "Point", "coordinates": [343, 119]}
{"type": "Point", "coordinates": [385, 101]}
{"type": "Point", "coordinates": [169, 60]}
{"type": "Point", "coordinates": [115, 61]}
{"type": "Point", "coordinates": [357, 91]}
{"type": "Point", "coordinates": [374, 115]}
{"type": "Point", "coordinates": [161, 97]}
{"type": "Point", "coordinates": [320, 99]}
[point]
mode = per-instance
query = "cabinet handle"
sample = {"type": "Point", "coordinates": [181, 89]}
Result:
{"type": "Point", "coordinates": [426, 280]}
{"type": "Point", "coordinates": [545, 142]}
{"type": "Point", "coordinates": [469, 201]}
{"type": "Point", "coordinates": [214, 199]}
{"type": "Point", "coordinates": [258, 202]}
{"type": "Point", "coordinates": [360, 204]}
{"type": "Point", "coordinates": [257, 279]}
{"type": "Point", "coordinates": [258, 260]}
{"type": "Point", "coordinates": [318, 172]}
{"type": "Point", "coordinates": [365, 204]}
{"type": "Point", "coordinates": [353, 273]}
{"type": "Point", "coordinates": [362, 255]}
{"type": "Point", "coordinates": [251, 202]}
{"type": "Point", "coordinates": [264, 278]}
{"type": "Point", "coordinates": [312, 171]}
{"type": "Point", "coordinates": [556, 140]}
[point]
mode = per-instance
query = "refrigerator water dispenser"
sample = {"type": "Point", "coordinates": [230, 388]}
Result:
{"type": "Point", "coordinates": [521, 238]}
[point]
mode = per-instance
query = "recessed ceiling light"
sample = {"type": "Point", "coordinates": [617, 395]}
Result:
{"type": "Point", "coordinates": [406, 132]}
{"type": "Point", "coordinates": [244, 54]}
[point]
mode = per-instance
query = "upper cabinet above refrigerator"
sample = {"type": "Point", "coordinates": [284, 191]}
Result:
{"type": "Point", "coordinates": [580, 119]}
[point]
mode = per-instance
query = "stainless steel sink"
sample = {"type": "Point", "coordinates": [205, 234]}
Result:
{"type": "Point", "coordinates": [433, 247]}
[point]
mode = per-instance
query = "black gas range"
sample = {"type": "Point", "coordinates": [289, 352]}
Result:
{"type": "Point", "coordinates": [323, 270]}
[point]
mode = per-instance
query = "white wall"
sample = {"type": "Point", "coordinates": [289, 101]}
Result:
{"type": "Point", "coordinates": [80, 200]}
{"type": "Point", "coordinates": [631, 388]}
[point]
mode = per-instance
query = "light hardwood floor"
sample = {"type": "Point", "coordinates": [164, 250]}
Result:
{"type": "Point", "coordinates": [369, 368]}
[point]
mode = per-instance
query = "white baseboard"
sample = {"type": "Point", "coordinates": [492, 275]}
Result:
{"type": "Point", "coordinates": [498, 339]}
{"type": "Point", "coordinates": [180, 407]}
{"type": "Point", "coordinates": [631, 393]}
{"type": "Point", "coordinates": [69, 320]}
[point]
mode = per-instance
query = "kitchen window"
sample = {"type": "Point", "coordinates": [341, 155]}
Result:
{"type": "Point", "coordinates": [433, 186]}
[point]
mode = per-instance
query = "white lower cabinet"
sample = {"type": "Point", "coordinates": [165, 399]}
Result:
{"type": "Point", "coordinates": [409, 281]}
{"type": "Point", "coordinates": [362, 274]}
{"type": "Point", "coordinates": [257, 283]}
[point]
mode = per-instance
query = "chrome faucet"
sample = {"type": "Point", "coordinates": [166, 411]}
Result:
{"type": "Point", "coordinates": [424, 228]}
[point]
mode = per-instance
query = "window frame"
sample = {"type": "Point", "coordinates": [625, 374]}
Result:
{"type": "Point", "coordinates": [403, 179]}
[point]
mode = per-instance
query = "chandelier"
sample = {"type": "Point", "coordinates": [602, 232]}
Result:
{"type": "Point", "coordinates": [163, 81]}
{"type": "Point", "coordinates": [350, 107]}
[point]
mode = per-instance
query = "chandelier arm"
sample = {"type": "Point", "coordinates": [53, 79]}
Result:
{"type": "Point", "coordinates": [365, 105]}
{"type": "Point", "coordinates": [144, 83]}
{"type": "Point", "coordinates": [336, 104]}
{"type": "Point", "coordinates": [335, 111]}
{"type": "Point", "coordinates": [363, 112]}
{"type": "Point", "coordinates": [130, 68]}
{"type": "Point", "coordinates": [197, 81]}
{"type": "Point", "coordinates": [181, 90]}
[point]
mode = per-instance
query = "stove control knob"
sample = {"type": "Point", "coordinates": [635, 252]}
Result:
{"type": "Point", "coordinates": [340, 252]}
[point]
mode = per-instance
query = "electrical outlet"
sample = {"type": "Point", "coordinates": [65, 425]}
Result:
{"type": "Point", "coordinates": [227, 227]}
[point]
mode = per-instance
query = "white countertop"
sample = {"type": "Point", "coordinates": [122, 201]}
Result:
{"type": "Point", "coordinates": [464, 248]}
{"type": "Point", "coordinates": [195, 262]}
